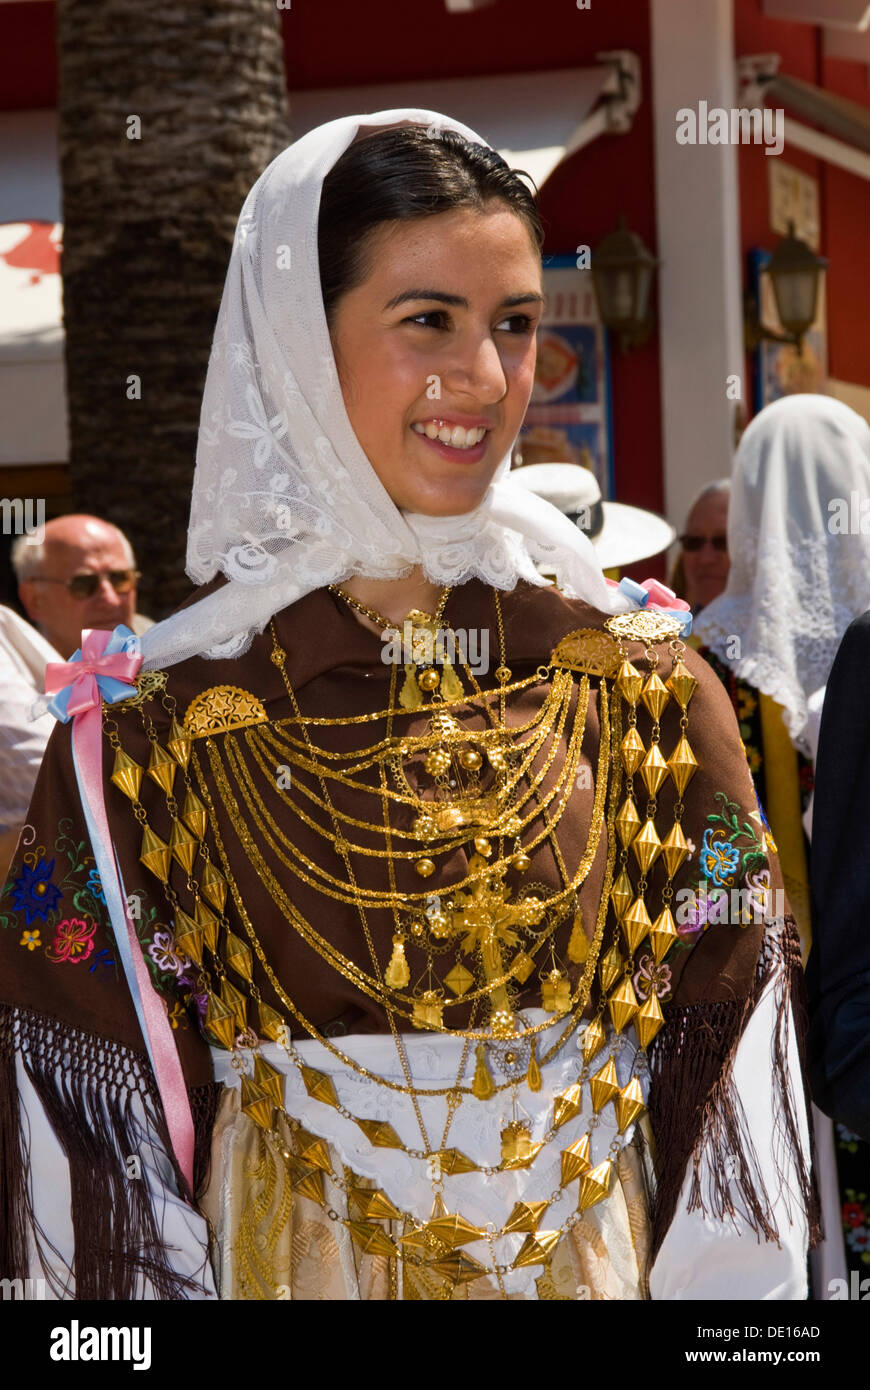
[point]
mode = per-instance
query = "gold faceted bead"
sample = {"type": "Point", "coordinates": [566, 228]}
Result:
{"type": "Point", "coordinates": [575, 1160]}
{"type": "Point", "coordinates": [380, 1134]}
{"type": "Point", "coordinates": [566, 1105]}
{"type": "Point", "coordinates": [238, 956]}
{"type": "Point", "coordinates": [653, 770]}
{"type": "Point", "coordinates": [183, 845]}
{"type": "Point", "coordinates": [683, 765]}
{"type": "Point", "coordinates": [257, 1103]}
{"type": "Point", "coordinates": [179, 743]}
{"type": "Point", "coordinates": [373, 1204]}
{"type": "Point", "coordinates": [372, 1240]}
{"type": "Point", "coordinates": [452, 1229]}
{"type": "Point", "coordinates": [646, 846]}
{"type": "Point", "coordinates": [681, 683]}
{"type": "Point", "coordinates": [627, 822]}
{"type": "Point", "coordinates": [604, 1085]}
{"type": "Point", "coordinates": [270, 1079]}
{"type": "Point", "coordinates": [593, 1040]}
{"type": "Point", "coordinates": [674, 848]}
{"type": "Point", "coordinates": [429, 680]}
{"type": "Point", "coordinates": [470, 759]}
{"type": "Point", "coordinates": [622, 1004]}
{"type": "Point", "coordinates": [235, 1000]}
{"type": "Point", "coordinates": [649, 1020]}
{"type": "Point", "coordinates": [610, 967]}
{"type": "Point", "coordinates": [595, 1185]}
{"type": "Point", "coordinates": [220, 1022]}
{"type": "Point", "coordinates": [193, 814]}
{"type": "Point", "coordinates": [214, 886]}
{"type": "Point", "coordinates": [319, 1086]}
{"type": "Point", "coordinates": [482, 845]}
{"type": "Point", "coordinates": [636, 924]}
{"type": "Point", "coordinates": [632, 748]}
{"type": "Point", "coordinates": [521, 862]}
{"type": "Point", "coordinates": [271, 1023]}
{"type": "Point", "coordinates": [304, 1179]}
{"type": "Point", "coordinates": [205, 918]}
{"type": "Point", "coordinates": [155, 854]}
{"type": "Point", "coordinates": [537, 1249]}
{"type": "Point", "coordinates": [663, 934]}
{"type": "Point", "coordinates": [188, 936]}
{"type": "Point", "coordinates": [162, 768]}
{"type": "Point", "coordinates": [622, 894]}
{"type": "Point", "coordinates": [425, 867]}
{"type": "Point", "coordinates": [313, 1150]}
{"type": "Point", "coordinates": [629, 682]}
{"type": "Point", "coordinates": [655, 696]}
{"type": "Point", "coordinates": [455, 1161]}
{"type": "Point", "coordinates": [628, 1104]}
{"type": "Point", "coordinates": [127, 774]}
{"type": "Point", "coordinates": [525, 1216]}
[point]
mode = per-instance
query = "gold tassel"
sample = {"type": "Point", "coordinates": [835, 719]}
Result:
{"type": "Point", "coordinates": [483, 1085]}
{"type": "Point", "coordinates": [533, 1075]}
{"type": "Point", "coordinates": [410, 697]}
{"type": "Point", "coordinates": [578, 944]}
{"type": "Point", "coordinates": [398, 974]}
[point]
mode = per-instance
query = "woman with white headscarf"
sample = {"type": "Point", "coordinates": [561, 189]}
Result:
{"type": "Point", "coordinates": [800, 574]}
{"type": "Point", "coordinates": [355, 973]}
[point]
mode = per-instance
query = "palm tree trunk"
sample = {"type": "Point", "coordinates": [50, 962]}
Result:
{"type": "Point", "coordinates": [168, 112]}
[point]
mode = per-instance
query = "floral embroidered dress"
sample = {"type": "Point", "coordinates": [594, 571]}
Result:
{"type": "Point", "coordinates": [574, 1106]}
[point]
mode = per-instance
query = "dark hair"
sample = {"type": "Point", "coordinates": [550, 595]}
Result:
{"type": "Point", "coordinates": [399, 175]}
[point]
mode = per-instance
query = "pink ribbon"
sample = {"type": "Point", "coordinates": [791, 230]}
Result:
{"type": "Point", "coordinates": [84, 706]}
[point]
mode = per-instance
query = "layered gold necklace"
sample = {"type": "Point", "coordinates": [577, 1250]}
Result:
{"type": "Point", "coordinates": [475, 944]}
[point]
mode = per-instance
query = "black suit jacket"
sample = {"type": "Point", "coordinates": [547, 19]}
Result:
{"type": "Point", "coordinates": [838, 970]}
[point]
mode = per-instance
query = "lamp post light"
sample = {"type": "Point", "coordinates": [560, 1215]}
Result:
{"type": "Point", "coordinates": [622, 272]}
{"type": "Point", "coordinates": [795, 273]}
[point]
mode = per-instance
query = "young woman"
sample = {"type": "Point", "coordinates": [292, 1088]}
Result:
{"type": "Point", "coordinates": [384, 960]}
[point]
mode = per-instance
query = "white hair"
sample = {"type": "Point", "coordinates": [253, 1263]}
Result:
{"type": "Point", "coordinates": [28, 556]}
{"type": "Point", "coordinates": [708, 490]}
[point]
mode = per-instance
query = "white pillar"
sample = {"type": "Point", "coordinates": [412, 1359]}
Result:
{"type": "Point", "coordinates": [698, 219]}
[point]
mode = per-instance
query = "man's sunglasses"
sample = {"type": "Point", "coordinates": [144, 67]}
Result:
{"type": "Point", "coordinates": [693, 543]}
{"type": "Point", "coordinates": [86, 585]}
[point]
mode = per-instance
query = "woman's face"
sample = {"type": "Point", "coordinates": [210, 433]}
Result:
{"type": "Point", "coordinates": [706, 568]}
{"type": "Point", "coordinates": [440, 335]}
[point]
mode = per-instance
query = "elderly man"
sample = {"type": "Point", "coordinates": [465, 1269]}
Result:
{"type": "Point", "coordinates": [83, 574]}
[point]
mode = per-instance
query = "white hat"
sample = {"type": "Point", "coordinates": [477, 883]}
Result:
{"type": "Point", "coordinates": [620, 534]}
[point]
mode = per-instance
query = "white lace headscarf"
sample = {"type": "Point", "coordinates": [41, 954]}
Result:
{"type": "Point", "coordinates": [800, 567]}
{"type": "Point", "coordinates": [284, 498]}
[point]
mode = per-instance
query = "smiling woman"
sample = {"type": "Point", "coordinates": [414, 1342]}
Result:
{"type": "Point", "coordinates": [403, 1011]}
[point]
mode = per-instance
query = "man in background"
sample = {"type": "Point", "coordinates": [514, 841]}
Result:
{"type": "Point", "coordinates": [82, 574]}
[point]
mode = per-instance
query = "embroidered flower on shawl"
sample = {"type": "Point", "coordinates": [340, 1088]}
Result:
{"type": "Point", "coordinates": [719, 858]}
{"type": "Point", "coordinates": [859, 1240]}
{"type": "Point", "coordinates": [758, 891]}
{"type": "Point", "coordinates": [73, 942]}
{"type": "Point", "coordinates": [162, 952]}
{"type": "Point", "coordinates": [95, 886]}
{"type": "Point", "coordinates": [33, 891]}
{"type": "Point", "coordinates": [853, 1214]}
{"type": "Point", "coordinates": [692, 913]}
{"type": "Point", "coordinates": [652, 978]}
{"type": "Point", "coordinates": [30, 939]}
